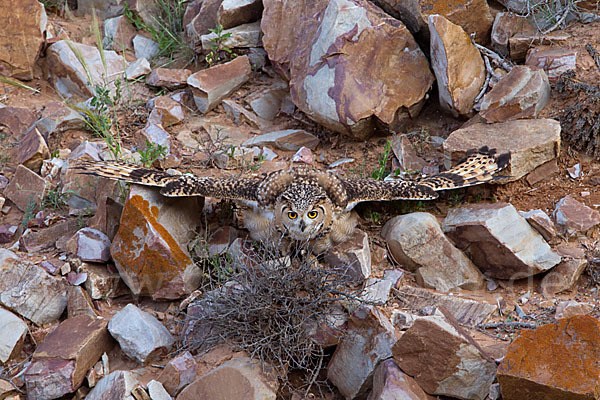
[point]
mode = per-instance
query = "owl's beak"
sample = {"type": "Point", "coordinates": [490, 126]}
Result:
{"type": "Point", "coordinates": [302, 226]}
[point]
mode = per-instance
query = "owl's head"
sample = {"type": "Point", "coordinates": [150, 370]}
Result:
{"type": "Point", "coordinates": [303, 211]}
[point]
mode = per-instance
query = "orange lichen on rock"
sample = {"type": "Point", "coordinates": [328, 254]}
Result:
{"type": "Point", "coordinates": [559, 361]}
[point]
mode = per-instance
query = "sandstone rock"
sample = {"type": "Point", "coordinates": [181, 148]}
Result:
{"type": "Point", "coordinates": [283, 22]}
{"type": "Point", "coordinates": [466, 311]}
{"type": "Point", "coordinates": [8, 391]}
{"type": "Point", "coordinates": [417, 242]}
{"type": "Point", "coordinates": [389, 382]}
{"type": "Point", "coordinates": [239, 114]}
{"type": "Point", "coordinates": [506, 25]}
{"type": "Point", "coordinates": [570, 308]}
{"type": "Point", "coordinates": [168, 78]}
{"type": "Point", "coordinates": [79, 303]}
{"type": "Point", "coordinates": [240, 378]}
{"type": "Point", "coordinates": [205, 19]}
{"type": "Point", "coordinates": [574, 217]}
{"type": "Point", "coordinates": [303, 155]}
{"type": "Point", "coordinates": [268, 103]}
{"type": "Point", "coordinates": [520, 94]}
{"type": "Point", "coordinates": [457, 64]}
{"type": "Point", "coordinates": [368, 341]}
{"type": "Point", "coordinates": [7, 232]}
{"type": "Point", "coordinates": [555, 61]}
{"type": "Point", "coordinates": [87, 150]}
{"type": "Point", "coordinates": [19, 48]}
{"type": "Point", "coordinates": [140, 335]}
{"type": "Point", "coordinates": [120, 33]}
{"type": "Point", "coordinates": [406, 154]}
{"type": "Point", "coordinates": [17, 119]}
{"type": "Point", "coordinates": [138, 68]}
{"type": "Point", "coordinates": [149, 248]}
{"type": "Point", "coordinates": [62, 360]}
{"type": "Point", "coordinates": [25, 188]}
{"type": "Point", "coordinates": [178, 373]}
{"type": "Point", "coordinates": [541, 222]}
{"type": "Point", "coordinates": [12, 336]}
{"type": "Point", "coordinates": [144, 47]}
{"type": "Point", "coordinates": [155, 134]}
{"type": "Point", "coordinates": [327, 69]}
{"type": "Point", "coordinates": [101, 282]}
{"type": "Point", "coordinates": [191, 10]}
{"type": "Point", "coordinates": [29, 291]}
{"type": "Point", "coordinates": [32, 150]}
{"type": "Point", "coordinates": [329, 330]}
{"type": "Point", "coordinates": [237, 12]}
{"type": "Point", "coordinates": [289, 139]}
{"type": "Point", "coordinates": [562, 277]}
{"type": "Point", "coordinates": [520, 43]}
{"type": "Point", "coordinates": [114, 386]}
{"type": "Point", "coordinates": [157, 391]}
{"type": "Point", "coordinates": [443, 361]}
{"type": "Point", "coordinates": [42, 239]}
{"type": "Point", "coordinates": [530, 142]}
{"type": "Point", "coordinates": [354, 256]}
{"type": "Point", "coordinates": [166, 112]}
{"type": "Point", "coordinates": [107, 216]}
{"type": "Point", "coordinates": [472, 15]}
{"type": "Point", "coordinates": [211, 85]}
{"type": "Point", "coordinates": [147, 10]}
{"type": "Point", "coordinates": [103, 8]}
{"type": "Point", "coordinates": [70, 78]}
{"type": "Point", "coordinates": [90, 245]}
{"type": "Point", "coordinates": [242, 36]}
{"type": "Point", "coordinates": [554, 361]}
{"type": "Point", "coordinates": [499, 240]}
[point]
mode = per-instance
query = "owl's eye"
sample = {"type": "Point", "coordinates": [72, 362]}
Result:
{"type": "Point", "coordinates": [292, 215]}
{"type": "Point", "coordinates": [312, 214]}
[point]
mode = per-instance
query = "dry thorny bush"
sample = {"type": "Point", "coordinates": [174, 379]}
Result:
{"type": "Point", "coordinates": [269, 307]}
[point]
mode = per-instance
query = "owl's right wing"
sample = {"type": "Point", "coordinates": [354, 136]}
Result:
{"type": "Point", "coordinates": [175, 185]}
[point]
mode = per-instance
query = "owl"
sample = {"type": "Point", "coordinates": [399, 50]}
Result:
{"type": "Point", "coordinates": [303, 205]}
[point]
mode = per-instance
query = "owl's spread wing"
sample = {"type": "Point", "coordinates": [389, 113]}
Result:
{"type": "Point", "coordinates": [175, 185]}
{"type": "Point", "coordinates": [479, 167]}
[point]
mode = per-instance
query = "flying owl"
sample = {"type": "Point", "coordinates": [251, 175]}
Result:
{"type": "Point", "coordinates": [303, 204]}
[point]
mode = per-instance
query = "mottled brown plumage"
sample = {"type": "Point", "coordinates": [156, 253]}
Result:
{"type": "Point", "coordinates": [302, 203]}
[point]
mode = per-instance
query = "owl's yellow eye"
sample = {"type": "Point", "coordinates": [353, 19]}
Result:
{"type": "Point", "coordinates": [312, 214]}
{"type": "Point", "coordinates": [292, 215]}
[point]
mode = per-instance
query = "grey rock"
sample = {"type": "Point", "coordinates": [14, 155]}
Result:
{"type": "Point", "coordinates": [236, 12]}
{"type": "Point", "coordinates": [144, 47]}
{"type": "Point", "coordinates": [138, 68]}
{"type": "Point", "coordinates": [157, 391]}
{"type": "Point", "coordinates": [242, 36]}
{"type": "Point", "coordinates": [541, 222]}
{"type": "Point", "coordinates": [90, 245]}
{"type": "Point", "coordinates": [573, 217]}
{"type": "Point", "coordinates": [389, 382]}
{"type": "Point", "coordinates": [114, 386]}
{"type": "Point", "coordinates": [25, 188]}
{"type": "Point", "coordinates": [140, 335]}
{"type": "Point", "coordinates": [289, 139]}
{"type": "Point", "coordinates": [353, 256]}
{"type": "Point", "coordinates": [12, 335]}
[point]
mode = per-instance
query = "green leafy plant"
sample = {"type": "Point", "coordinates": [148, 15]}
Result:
{"type": "Point", "coordinates": [217, 48]}
{"type": "Point", "coordinates": [56, 199]}
{"type": "Point", "coordinates": [30, 210]}
{"type": "Point", "coordinates": [381, 172]}
{"type": "Point", "coordinates": [151, 153]}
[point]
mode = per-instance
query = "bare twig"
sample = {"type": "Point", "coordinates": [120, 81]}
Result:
{"type": "Point", "coordinates": [559, 22]}
{"type": "Point", "coordinates": [593, 53]}
{"type": "Point", "coordinates": [502, 62]}
{"type": "Point", "coordinates": [515, 324]}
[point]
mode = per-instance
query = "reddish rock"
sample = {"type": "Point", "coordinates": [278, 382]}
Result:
{"type": "Point", "coordinates": [240, 378]}
{"type": "Point", "coordinates": [79, 303]}
{"type": "Point", "coordinates": [520, 94]}
{"type": "Point", "coordinates": [155, 134]}
{"type": "Point", "coordinates": [554, 361]}
{"type": "Point", "coordinates": [520, 43]}
{"type": "Point", "coordinates": [19, 48]}
{"type": "Point", "coordinates": [574, 217]}
{"type": "Point", "coordinates": [103, 281]}
{"type": "Point", "coordinates": [205, 19]}
{"type": "Point", "coordinates": [457, 64]}
{"type": "Point", "coordinates": [32, 150]}
{"type": "Point", "coordinates": [107, 216]}
{"type": "Point", "coordinates": [239, 115]}
{"type": "Point", "coordinates": [353, 256]}
{"type": "Point", "coordinates": [191, 10]}
{"type": "Point", "coordinates": [505, 26]}
{"type": "Point", "coordinates": [237, 12]}
{"type": "Point", "coordinates": [7, 233]}
{"type": "Point", "coordinates": [328, 70]}
{"type": "Point", "coordinates": [12, 336]}
{"type": "Point", "coordinates": [389, 382]}
{"type": "Point", "coordinates": [45, 238]}
{"type": "Point", "coordinates": [17, 120]}
{"type": "Point", "coordinates": [178, 373]}
{"type": "Point", "coordinates": [406, 154]}
{"type": "Point", "coordinates": [289, 139]}
{"type": "Point", "coordinates": [168, 78]}
{"type": "Point", "coordinates": [443, 361]}
{"type": "Point", "coordinates": [90, 245]}
{"type": "Point", "coordinates": [211, 85]}
{"type": "Point", "coordinates": [166, 112]}
{"type": "Point", "coordinates": [541, 222]}
{"type": "Point", "coordinates": [555, 61]}
{"type": "Point", "coordinates": [25, 188]}
{"type": "Point", "coordinates": [563, 277]}
{"type": "Point", "coordinates": [149, 248]}
{"type": "Point", "coordinates": [117, 385]}
{"type": "Point", "coordinates": [531, 142]}
{"type": "Point", "coordinates": [120, 32]}
{"type": "Point", "coordinates": [62, 360]}
{"type": "Point", "coordinates": [570, 308]}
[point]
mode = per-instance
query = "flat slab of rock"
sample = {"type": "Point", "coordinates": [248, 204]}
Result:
{"type": "Point", "coordinates": [32, 150]}
{"type": "Point", "coordinates": [368, 340]}
{"type": "Point", "coordinates": [520, 94]}
{"type": "Point", "coordinates": [416, 241]}
{"type": "Point", "coordinates": [555, 61]}
{"type": "Point", "coordinates": [327, 69]}
{"type": "Point", "coordinates": [499, 240]}
{"type": "Point", "coordinates": [242, 36]}
{"type": "Point", "coordinates": [168, 78]}
{"type": "Point", "coordinates": [166, 111]}
{"type": "Point", "coordinates": [90, 245]}
{"type": "Point", "coordinates": [149, 248]}
{"type": "Point", "coordinates": [240, 378]}
{"type": "Point", "coordinates": [389, 382]}
{"type": "Point", "coordinates": [25, 188]}
{"type": "Point", "coordinates": [30, 291]}
{"type": "Point", "coordinates": [114, 386]}
{"type": "Point", "coordinates": [541, 222]}
{"type": "Point", "coordinates": [507, 25]}
{"type": "Point", "coordinates": [574, 217]}
{"type": "Point", "coordinates": [457, 64]}
{"type": "Point", "coordinates": [354, 256]}
{"type": "Point", "coordinates": [144, 47]}
{"type": "Point", "coordinates": [237, 12]}
{"type": "Point", "coordinates": [289, 139]}
{"type": "Point", "coordinates": [563, 277]}
{"type": "Point", "coordinates": [19, 48]}
{"type": "Point", "coordinates": [140, 335]}
{"type": "Point", "coordinates": [70, 78]}
{"type": "Point", "coordinates": [120, 32]}
{"type": "Point", "coordinates": [46, 238]}
{"type": "Point", "coordinates": [62, 360]}
{"type": "Point", "coordinates": [178, 373]}
{"type": "Point", "coordinates": [203, 20]}
{"type": "Point", "coordinates": [210, 86]}
{"type": "Point", "coordinates": [12, 335]}
{"type": "Point", "coordinates": [554, 361]}
{"type": "Point", "coordinates": [443, 361]}
{"type": "Point", "coordinates": [570, 308]}
{"type": "Point", "coordinates": [531, 142]}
